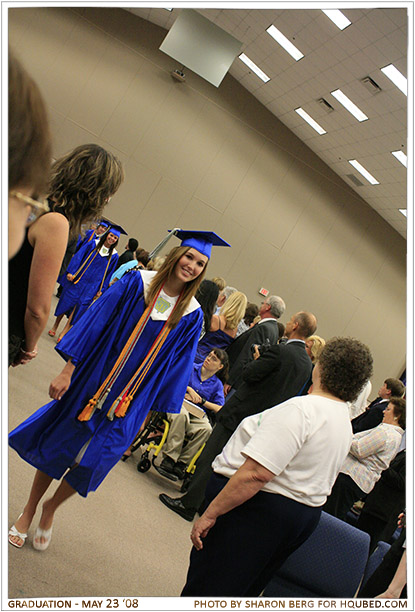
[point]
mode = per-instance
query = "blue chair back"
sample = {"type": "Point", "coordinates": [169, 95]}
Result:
{"type": "Point", "coordinates": [331, 563]}
{"type": "Point", "coordinates": [375, 560]}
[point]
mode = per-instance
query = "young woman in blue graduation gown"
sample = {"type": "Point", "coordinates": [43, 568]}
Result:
{"type": "Point", "coordinates": [87, 276]}
{"type": "Point", "coordinates": [61, 438]}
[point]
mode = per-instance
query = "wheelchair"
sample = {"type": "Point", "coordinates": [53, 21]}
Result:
{"type": "Point", "coordinates": [154, 434]}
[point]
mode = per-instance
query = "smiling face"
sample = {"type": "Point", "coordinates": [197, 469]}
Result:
{"type": "Point", "coordinates": [111, 239]}
{"type": "Point", "coordinates": [190, 265]}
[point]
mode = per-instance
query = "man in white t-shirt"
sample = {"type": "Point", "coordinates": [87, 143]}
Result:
{"type": "Point", "coordinates": [273, 477]}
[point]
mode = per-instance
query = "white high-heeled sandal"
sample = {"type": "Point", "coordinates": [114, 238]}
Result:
{"type": "Point", "coordinates": [13, 532]}
{"type": "Point", "coordinates": [42, 533]}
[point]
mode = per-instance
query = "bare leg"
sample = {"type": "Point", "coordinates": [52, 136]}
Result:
{"type": "Point", "coordinates": [62, 493]}
{"type": "Point", "coordinates": [67, 326]}
{"type": "Point", "coordinates": [40, 484]}
{"type": "Point", "coordinates": [56, 324]}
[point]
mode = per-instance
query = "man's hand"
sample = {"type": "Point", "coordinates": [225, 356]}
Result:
{"type": "Point", "coordinates": [59, 385]}
{"type": "Point", "coordinates": [226, 389]}
{"type": "Point", "coordinates": [200, 530]}
{"type": "Point", "coordinates": [256, 354]}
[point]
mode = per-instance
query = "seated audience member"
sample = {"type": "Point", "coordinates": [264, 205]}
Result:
{"type": "Point", "coordinates": [223, 326]}
{"type": "Point", "coordinates": [29, 153]}
{"type": "Point", "coordinates": [265, 332]}
{"type": "Point", "coordinates": [270, 379]}
{"type": "Point", "coordinates": [251, 312]}
{"type": "Point", "coordinates": [272, 479]}
{"type": "Point", "coordinates": [220, 282]}
{"type": "Point", "coordinates": [129, 253]}
{"type": "Point", "coordinates": [360, 403]}
{"type": "Point", "coordinates": [370, 453]}
{"type": "Point", "coordinates": [385, 502]}
{"type": "Point", "coordinates": [206, 391]}
{"type": "Point", "coordinates": [373, 415]}
{"type": "Point", "coordinates": [139, 263]}
{"type": "Point", "coordinates": [206, 295]}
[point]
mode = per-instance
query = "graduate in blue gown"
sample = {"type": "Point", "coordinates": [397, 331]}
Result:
{"type": "Point", "coordinates": [131, 352]}
{"type": "Point", "coordinates": [92, 234]}
{"type": "Point", "coordinates": [85, 279]}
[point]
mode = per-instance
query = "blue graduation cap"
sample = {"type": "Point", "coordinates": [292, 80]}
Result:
{"type": "Point", "coordinates": [201, 241]}
{"type": "Point", "coordinates": [114, 228]}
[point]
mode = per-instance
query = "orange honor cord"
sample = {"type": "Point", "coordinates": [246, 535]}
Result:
{"type": "Point", "coordinates": [97, 401]}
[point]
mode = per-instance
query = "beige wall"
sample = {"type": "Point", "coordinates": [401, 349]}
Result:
{"type": "Point", "coordinates": [206, 158]}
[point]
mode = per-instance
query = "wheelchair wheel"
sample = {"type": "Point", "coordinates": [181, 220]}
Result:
{"type": "Point", "coordinates": [144, 464]}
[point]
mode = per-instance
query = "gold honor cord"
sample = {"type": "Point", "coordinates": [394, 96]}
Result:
{"type": "Point", "coordinates": [119, 407]}
{"type": "Point", "coordinates": [94, 253]}
{"type": "Point", "coordinates": [102, 282]}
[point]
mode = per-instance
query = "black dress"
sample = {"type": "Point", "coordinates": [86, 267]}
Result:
{"type": "Point", "coordinates": [19, 271]}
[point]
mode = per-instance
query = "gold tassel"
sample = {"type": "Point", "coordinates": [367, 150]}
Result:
{"type": "Point", "coordinates": [88, 411]}
{"type": "Point", "coordinates": [123, 407]}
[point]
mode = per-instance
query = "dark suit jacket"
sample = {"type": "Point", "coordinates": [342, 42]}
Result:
{"type": "Point", "coordinates": [371, 417]}
{"type": "Point", "coordinates": [239, 351]}
{"type": "Point", "coordinates": [387, 498]}
{"type": "Point", "coordinates": [277, 375]}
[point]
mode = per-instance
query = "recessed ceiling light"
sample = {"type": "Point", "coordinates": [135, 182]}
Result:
{"type": "Point", "coordinates": [349, 105]}
{"type": "Point", "coordinates": [254, 67]}
{"type": "Point", "coordinates": [363, 172]}
{"type": "Point", "coordinates": [400, 155]}
{"type": "Point", "coordinates": [285, 43]}
{"type": "Point", "coordinates": [338, 18]}
{"type": "Point", "coordinates": [310, 121]}
{"type": "Point", "coordinates": [403, 211]}
{"type": "Point", "coordinates": [396, 77]}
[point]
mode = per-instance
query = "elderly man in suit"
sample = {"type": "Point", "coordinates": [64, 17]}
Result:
{"type": "Point", "coordinates": [271, 378]}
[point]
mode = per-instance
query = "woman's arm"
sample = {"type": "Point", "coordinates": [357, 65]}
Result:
{"type": "Point", "coordinates": [48, 237]}
{"type": "Point", "coordinates": [369, 444]}
{"type": "Point", "coordinates": [61, 383]}
{"type": "Point", "coordinates": [244, 484]}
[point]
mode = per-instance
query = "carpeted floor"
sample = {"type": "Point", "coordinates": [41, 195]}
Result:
{"type": "Point", "coordinates": [120, 541]}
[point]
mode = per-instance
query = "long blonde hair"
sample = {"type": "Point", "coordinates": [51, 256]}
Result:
{"type": "Point", "coordinates": [164, 273]}
{"type": "Point", "coordinates": [234, 309]}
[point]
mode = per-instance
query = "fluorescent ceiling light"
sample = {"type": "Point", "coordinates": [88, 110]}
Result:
{"type": "Point", "coordinates": [285, 43]}
{"type": "Point", "coordinates": [400, 155]}
{"type": "Point", "coordinates": [349, 105]}
{"type": "Point", "coordinates": [396, 77]}
{"type": "Point", "coordinates": [254, 67]}
{"type": "Point", "coordinates": [338, 18]}
{"type": "Point", "coordinates": [403, 211]}
{"type": "Point", "coordinates": [310, 121]}
{"type": "Point", "coordinates": [167, 9]}
{"type": "Point", "coordinates": [363, 172]}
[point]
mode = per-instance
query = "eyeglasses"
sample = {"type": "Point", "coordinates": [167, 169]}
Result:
{"type": "Point", "coordinates": [38, 208]}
